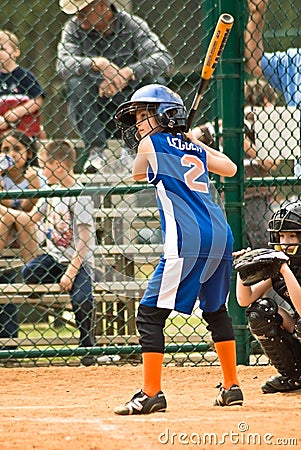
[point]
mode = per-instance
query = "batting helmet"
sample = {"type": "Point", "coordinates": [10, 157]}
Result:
{"type": "Point", "coordinates": [160, 102]}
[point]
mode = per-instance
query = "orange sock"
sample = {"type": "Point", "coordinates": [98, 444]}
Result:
{"type": "Point", "coordinates": [226, 353]}
{"type": "Point", "coordinates": [152, 368]}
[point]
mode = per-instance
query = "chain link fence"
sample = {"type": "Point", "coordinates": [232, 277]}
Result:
{"type": "Point", "coordinates": [65, 97]}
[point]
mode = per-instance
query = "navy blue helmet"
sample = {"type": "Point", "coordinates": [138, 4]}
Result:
{"type": "Point", "coordinates": [160, 102]}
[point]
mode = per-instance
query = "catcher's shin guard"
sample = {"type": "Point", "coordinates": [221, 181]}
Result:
{"type": "Point", "coordinates": [263, 316]}
{"type": "Point", "coordinates": [298, 329]}
{"type": "Point", "coordinates": [282, 349]}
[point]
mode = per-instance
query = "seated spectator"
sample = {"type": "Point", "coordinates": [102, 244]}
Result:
{"type": "Point", "coordinates": [259, 201]}
{"type": "Point", "coordinates": [70, 238]}
{"type": "Point", "coordinates": [104, 55]}
{"type": "Point", "coordinates": [21, 95]}
{"type": "Point", "coordinates": [281, 67]}
{"type": "Point", "coordinates": [20, 150]}
{"type": "Point", "coordinates": [259, 93]}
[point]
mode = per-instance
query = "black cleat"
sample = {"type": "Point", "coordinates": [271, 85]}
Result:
{"type": "Point", "coordinates": [143, 404]}
{"type": "Point", "coordinates": [229, 397]}
{"type": "Point", "coordinates": [280, 383]}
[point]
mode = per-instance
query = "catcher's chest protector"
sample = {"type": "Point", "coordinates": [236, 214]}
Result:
{"type": "Point", "coordinates": [280, 287]}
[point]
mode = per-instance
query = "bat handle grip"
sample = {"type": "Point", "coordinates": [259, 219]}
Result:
{"type": "Point", "coordinates": [190, 119]}
{"type": "Point", "coordinates": [196, 101]}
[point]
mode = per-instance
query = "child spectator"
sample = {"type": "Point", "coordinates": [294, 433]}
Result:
{"type": "Point", "coordinates": [21, 95]}
{"type": "Point", "coordinates": [19, 176]}
{"type": "Point", "coordinates": [70, 235]}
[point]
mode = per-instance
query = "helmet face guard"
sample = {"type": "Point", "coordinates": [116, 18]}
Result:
{"type": "Point", "coordinates": [159, 102]}
{"type": "Point", "coordinates": [126, 121]}
{"type": "Point", "coordinates": [287, 218]}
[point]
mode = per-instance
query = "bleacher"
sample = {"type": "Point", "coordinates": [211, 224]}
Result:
{"type": "Point", "coordinates": [128, 248]}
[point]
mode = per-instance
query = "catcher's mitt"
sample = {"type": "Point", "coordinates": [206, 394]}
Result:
{"type": "Point", "coordinates": [258, 265]}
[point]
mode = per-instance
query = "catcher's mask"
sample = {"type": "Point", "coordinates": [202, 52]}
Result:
{"type": "Point", "coordinates": [287, 218]}
{"type": "Point", "coordinates": [160, 102]}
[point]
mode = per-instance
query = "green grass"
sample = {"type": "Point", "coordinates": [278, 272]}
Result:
{"type": "Point", "coordinates": [185, 325]}
{"type": "Point", "coordinates": [44, 330]}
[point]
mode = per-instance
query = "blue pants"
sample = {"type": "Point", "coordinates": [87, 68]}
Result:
{"type": "Point", "coordinates": [178, 282]}
{"type": "Point", "coordinates": [45, 269]}
{"type": "Point", "coordinates": [9, 323]}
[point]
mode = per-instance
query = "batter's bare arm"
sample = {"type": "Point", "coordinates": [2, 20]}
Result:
{"type": "Point", "coordinates": [145, 157]}
{"type": "Point", "coordinates": [217, 162]}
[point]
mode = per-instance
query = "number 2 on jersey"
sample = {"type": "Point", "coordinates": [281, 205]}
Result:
{"type": "Point", "coordinates": [197, 169]}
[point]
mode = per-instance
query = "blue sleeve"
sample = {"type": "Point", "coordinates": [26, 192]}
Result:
{"type": "Point", "coordinates": [282, 70]}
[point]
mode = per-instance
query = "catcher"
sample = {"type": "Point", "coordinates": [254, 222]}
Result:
{"type": "Point", "coordinates": [277, 330]}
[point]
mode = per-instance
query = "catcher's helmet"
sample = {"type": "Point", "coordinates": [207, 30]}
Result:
{"type": "Point", "coordinates": [160, 102]}
{"type": "Point", "coordinates": [287, 218]}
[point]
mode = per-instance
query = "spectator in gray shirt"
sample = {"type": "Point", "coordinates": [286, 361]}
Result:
{"type": "Point", "coordinates": [104, 55]}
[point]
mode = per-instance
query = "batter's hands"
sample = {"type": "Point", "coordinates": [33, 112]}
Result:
{"type": "Point", "coordinates": [191, 136]}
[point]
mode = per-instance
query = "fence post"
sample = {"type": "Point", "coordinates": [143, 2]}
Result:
{"type": "Point", "coordinates": [232, 99]}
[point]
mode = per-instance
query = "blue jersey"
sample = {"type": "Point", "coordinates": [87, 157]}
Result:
{"type": "Point", "coordinates": [192, 223]}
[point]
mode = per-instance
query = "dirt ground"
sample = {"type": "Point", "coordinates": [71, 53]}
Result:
{"type": "Point", "coordinates": [72, 408]}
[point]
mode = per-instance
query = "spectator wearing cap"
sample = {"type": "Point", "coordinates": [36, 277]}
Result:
{"type": "Point", "coordinates": [104, 55]}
